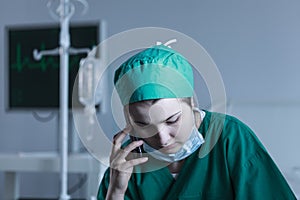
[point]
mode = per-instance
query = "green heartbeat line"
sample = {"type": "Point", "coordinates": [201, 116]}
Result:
{"type": "Point", "coordinates": [43, 64]}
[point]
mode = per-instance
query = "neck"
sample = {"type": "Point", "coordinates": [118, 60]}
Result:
{"type": "Point", "coordinates": [175, 167]}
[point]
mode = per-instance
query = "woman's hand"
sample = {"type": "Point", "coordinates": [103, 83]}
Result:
{"type": "Point", "coordinates": [121, 165]}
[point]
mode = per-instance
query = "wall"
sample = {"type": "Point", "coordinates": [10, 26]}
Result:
{"type": "Point", "coordinates": [254, 43]}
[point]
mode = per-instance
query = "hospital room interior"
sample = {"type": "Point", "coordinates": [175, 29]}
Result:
{"type": "Point", "coordinates": [54, 51]}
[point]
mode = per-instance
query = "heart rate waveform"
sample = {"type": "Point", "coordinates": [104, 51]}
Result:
{"type": "Point", "coordinates": [47, 62]}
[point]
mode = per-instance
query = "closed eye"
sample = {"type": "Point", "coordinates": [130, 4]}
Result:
{"type": "Point", "coordinates": [173, 121]}
{"type": "Point", "coordinates": [141, 124]}
{"type": "Point", "coordinates": [170, 120]}
{"type": "Point", "coordinates": [174, 118]}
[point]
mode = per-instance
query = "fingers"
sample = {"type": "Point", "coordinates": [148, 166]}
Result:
{"type": "Point", "coordinates": [129, 148]}
{"type": "Point", "coordinates": [127, 166]}
{"type": "Point", "coordinates": [120, 159]}
{"type": "Point", "coordinates": [122, 154]}
{"type": "Point", "coordinates": [118, 138]}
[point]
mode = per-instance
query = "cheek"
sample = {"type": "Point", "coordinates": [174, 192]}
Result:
{"type": "Point", "coordinates": [175, 130]}
{"type": "Point", "coordinates": [184, 129]}
{"type": "Point", "coordinates": [143, 132]}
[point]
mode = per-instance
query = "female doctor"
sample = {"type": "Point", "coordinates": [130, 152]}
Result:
{"type": "Point", "coordinates": [180, 151]}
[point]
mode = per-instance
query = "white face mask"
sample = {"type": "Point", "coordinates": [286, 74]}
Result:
{"type": "Point", "coordinates": [190, 146]}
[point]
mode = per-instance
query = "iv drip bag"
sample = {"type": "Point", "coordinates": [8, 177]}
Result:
{"type": "Point", "coordinates": [91, 89]}
{"type": "Point", "coordinates": [87, 81]}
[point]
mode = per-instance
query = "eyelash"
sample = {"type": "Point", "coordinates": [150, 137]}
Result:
{"type": "Point", "coordinates": [167, 122]}
{"type": "Point", "coordinates": [173, 122]}
{"type": "Point", "coordinates": [140, 124]}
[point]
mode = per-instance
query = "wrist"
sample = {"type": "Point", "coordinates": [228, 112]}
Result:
{"type": "Point", "coordinates": [115, 196]}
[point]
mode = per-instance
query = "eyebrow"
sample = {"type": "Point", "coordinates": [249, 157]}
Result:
{"type": "Point", "coordinates": [145, 123]}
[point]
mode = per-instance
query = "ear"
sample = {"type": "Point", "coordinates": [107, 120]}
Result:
{"type": "Point", "coordinates": [198, 119]}
{"type": "Point", "coordinates": [192, 102]}
{"type": "Point", "coordinates": [196, 113]}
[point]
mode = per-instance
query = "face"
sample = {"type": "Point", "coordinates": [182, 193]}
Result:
{"type": "Point", "coordinates": [164, 124]}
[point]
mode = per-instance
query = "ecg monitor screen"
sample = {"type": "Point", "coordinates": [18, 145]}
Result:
{"type": "Point", "coordinates": [35, 84]}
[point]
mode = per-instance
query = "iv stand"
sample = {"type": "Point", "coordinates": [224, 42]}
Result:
{"type": "Point", "coordinates": [65, 10]}
{"type": "Point", "coordinates": [64, 69]}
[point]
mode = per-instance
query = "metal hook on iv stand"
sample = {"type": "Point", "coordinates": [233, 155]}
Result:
{"type": "Point", "coordinates": [65, 11]}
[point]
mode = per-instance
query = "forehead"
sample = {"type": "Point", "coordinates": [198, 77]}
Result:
{"type": "Point", "coordinates": [161, 107]}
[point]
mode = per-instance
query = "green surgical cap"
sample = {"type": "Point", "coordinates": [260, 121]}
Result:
{"type": "Point", "coordinates": [154, 73]}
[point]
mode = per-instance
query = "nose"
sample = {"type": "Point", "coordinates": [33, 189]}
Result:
{"type": "Point", "coordinates": [163, 136]}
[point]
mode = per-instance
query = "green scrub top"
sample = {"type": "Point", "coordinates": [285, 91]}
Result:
{"type": "Point", "coordinates": [238, 167]}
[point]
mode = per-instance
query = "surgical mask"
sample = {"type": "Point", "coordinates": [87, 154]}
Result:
{"type": "Point", "coordinates": [190, 146]}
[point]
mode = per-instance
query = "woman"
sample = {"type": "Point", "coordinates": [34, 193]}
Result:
{"type": "Point", "coordinates": [183, 152]}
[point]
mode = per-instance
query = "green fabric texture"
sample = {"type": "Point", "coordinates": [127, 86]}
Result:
{"type": "Point", "coordinates": [154, 73]}
{"type": "Point", "coordinates": [238, 167]}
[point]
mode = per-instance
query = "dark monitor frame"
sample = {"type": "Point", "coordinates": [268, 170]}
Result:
{"type": "Point", "coordinates": [7, 70]}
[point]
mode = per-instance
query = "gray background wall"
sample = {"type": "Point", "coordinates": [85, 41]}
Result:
{"type": "Point", "coordinates": [254, 43]}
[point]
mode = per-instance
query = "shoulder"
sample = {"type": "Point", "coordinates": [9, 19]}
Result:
{"type": "Point", "coordinates": [230, 134]}
{"type": "Point", "coordinates": [227, 125]}
{"type": "Point", "coordinates": [228, 120]}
